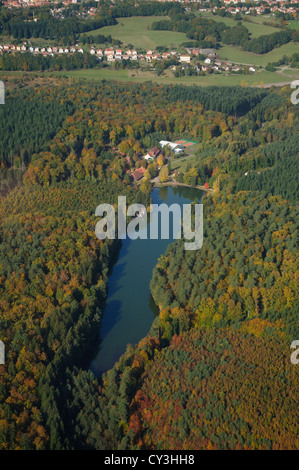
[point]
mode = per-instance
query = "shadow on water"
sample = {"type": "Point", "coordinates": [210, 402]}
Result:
{"type": "Point", "coordinates": [130, 308]}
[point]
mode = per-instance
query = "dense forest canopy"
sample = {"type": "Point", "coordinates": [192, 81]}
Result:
{"type": "Point", "coordinates": [261, 152]}
{"type": "Point", "coordinates": [28, 62]}
{"type": "Point", "coordinates": [196, 380]}
{"type": "Point", "coordinates": [197, 113]}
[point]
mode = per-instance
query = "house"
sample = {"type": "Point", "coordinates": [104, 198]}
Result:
{"type": "Point", "coordinates": [226, 67]}
{"type": "Point", "coordinates": [185, 58]}
{"type": "Point", "coordinates": [138, 174]}
{"type": "Point", "coordinates": [207, 52]}
{"type": "Point", "coordinates": [109, 51]}
{"type": "Point", "coordinates": [251, 69]}
{"type": "Point", "coordinates": [152, 154]}
{"type": "Point", "coordinates": [208, 60]}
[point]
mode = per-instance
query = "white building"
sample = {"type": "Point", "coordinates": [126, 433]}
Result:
{"type": "Point", "coordinates": [172, 145]}
{"type": "Point", "coordinates": [185, 58]}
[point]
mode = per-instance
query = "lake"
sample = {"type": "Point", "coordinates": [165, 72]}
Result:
{"type": "Point", "coordinates": [130, 309]}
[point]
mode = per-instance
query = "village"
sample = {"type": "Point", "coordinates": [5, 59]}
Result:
{"type": "Point", "coordinates": [184, 61]}
{"type": "Point", "coordinates": [271, 6]}
{"type": "Point", "coordinates": [110, 55]}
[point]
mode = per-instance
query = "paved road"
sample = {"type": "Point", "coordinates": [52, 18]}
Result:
{"type": "Point", "coordinates": [268, 85]}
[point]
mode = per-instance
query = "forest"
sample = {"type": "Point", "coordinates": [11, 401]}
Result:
{"type": "Point", "coordinates": [28, 62]}
{"type": "Point", "coordinates": [196, 381]}
{"type": "Point", "coordinates": [258, 154]}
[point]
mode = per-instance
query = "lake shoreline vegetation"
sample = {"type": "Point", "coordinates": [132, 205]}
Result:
{"type": "Point", "coordinates": [214, 370]}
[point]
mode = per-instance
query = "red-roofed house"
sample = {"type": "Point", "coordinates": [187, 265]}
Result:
{"type": "Point", "coordinates": [138, 174]}
{"type": "Point", "coordinates": [152, 153]}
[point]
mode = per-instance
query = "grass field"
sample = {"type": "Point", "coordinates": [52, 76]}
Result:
{"type": "Point", "coordinates": [255, 25]}
{"type": "Point", "coordinates": [236, 54]}
{"type": "Point", "coordinates": [135, 31]}
{"type": "Point", "coordinates": [294, 24]}
{"type": "Point", "coordinates": [213, 79]}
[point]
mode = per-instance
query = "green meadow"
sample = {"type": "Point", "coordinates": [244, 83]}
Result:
{"type": "Point", "coordinates": [136, 31]}
{"type": "Point", "coordinates": [294, 24]}
{"type": "Point", "coordinates": [236, 54]}
{"type": "Point", "coordinates": [257, 79]}
{"type": "Point", "coordinates": [254, 24]}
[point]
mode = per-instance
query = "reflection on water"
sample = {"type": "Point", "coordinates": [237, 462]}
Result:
{"type": "Point", "coordinates": [130, 308]}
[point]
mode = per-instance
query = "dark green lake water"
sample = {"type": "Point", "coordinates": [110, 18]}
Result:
{"type": "Point", "coordinates": [130, 310]}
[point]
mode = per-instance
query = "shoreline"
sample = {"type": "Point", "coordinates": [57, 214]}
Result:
{"type": "Point", "coordinates": [158, 184]}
